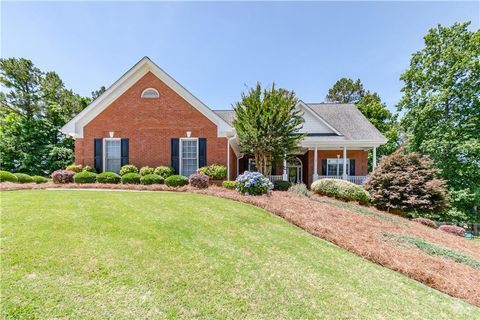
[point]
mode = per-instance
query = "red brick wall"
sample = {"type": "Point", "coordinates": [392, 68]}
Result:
{"type": "Point", "coordinates": [360, 157]}
{"type": "Point", "coordinates": [149, 124]}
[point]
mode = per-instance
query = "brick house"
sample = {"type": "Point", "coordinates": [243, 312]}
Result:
{"type": "Point", "coordinates": [147, 118]}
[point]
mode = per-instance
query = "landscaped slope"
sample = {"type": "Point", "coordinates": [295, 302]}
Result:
{"type": "Point", "coordinates": [84, 254]}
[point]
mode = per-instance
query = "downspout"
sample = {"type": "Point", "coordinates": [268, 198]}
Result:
{"type": "Point", "coordinates": [228, 155]}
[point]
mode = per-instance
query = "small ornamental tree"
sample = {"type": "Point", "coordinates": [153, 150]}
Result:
{"type": "Point", "coordinates": [267, 123]}
{"type": "Point", "coordinates": [406, 183]}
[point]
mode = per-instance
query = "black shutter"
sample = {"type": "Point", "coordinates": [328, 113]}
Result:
{"type": "Point", "coordinates": [124, 152]}
{"type": "Point", "coordinates": [352, 167]}
{"type": "Point", "coordinates": [274, 168]}
{"type": "Point", "coordinates": [97, 154]}
{"type": "Point", "coordinates": [324, 167]}
{"type": "Point", "coordinates": [174, 153]}
{"type": "Point", "coordinates": [202, 152]}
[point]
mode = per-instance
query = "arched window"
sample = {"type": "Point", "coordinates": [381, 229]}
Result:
{"type": "Point", "coordinates": [150, 93]}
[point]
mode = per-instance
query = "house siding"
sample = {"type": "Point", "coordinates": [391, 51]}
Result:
{"type": "Point", "coordinates": [150, 124]}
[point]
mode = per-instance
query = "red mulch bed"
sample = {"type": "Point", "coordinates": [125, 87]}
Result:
{"type": "Point", "coordinates": [360, 234]}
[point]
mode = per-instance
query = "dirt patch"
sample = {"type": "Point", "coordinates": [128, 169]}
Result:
{"type": "Point", "coordinates": [355, 228]}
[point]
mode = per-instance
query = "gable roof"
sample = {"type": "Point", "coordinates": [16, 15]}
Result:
{"type": "Point", "coordinates": [348, 120]}
{"type": "Point", "coordinates": [75, 126]}
{"type": "Point", "coordinates": [345, 120]}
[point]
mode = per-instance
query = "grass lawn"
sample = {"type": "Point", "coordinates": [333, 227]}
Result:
{"type": "Point", "coordinates": [88, 254]}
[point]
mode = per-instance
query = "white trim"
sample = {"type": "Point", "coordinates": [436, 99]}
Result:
{"type": "Point", "coordinates": [104, 154]}
{"type": "Point", "coordinates": [75, 126]}
{"type": "Point", "coordinates": [338, 161]}
{"type": "Point", "coordinates": [180, 156]}
{"type": "Point", "coordinates": [306, 107]}
{"type": "Point", "coordinates": [150, 89]}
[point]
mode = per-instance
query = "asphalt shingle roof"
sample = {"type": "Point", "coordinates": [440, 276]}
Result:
{"type": "Point", "coordinates": [345, 118]}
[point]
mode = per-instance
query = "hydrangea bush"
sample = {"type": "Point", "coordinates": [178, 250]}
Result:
{"type": "Point", "coordinates": [253, 184]}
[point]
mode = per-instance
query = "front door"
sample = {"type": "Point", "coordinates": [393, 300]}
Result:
{"type": "Point", "coordinates": [294, 170]}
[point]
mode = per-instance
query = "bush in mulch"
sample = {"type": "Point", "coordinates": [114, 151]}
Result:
{"type": "Point", "coordinates": [341, 189]}
{"type": "Point", "coordinates": [176, 181]}
{"type": "Point", "coordinates": [23, 178]}
{"type": "Point", "coordinates": [62, 176]}
{"type": "Point", "coordinates": [151, 179]}
{"type": "Point", "coordinates": [426, 222]}
{"type": "Point", "coordinates": [198, 180]}
{"type": "Point", "coordinates": [164, 171]}
{"type": "Point", "coordinates": [85, 177]}
{"type": "Point", "coordinates": [232, 185]}
{"type": "Point", "coordinates": [281, 185]}
{"type": "Point", "coordinates": [108, 177]}
{"type": "Point", "coordinates": [39, 179]}
{"type": "Point", "coordinates": [128, 168]}
{"type": "Point", "coordinates": [146, 170]}
{"type": "Point", "coordinates": [131, 178]}
{"type": "Point", "coordinates": [6, 176]}
{"type": "Point", "coordinates": [300, 189]}
{"type": "Point", "coordinates": [214, 171]}
{"type": "Point", "coordinates": [456, 230]}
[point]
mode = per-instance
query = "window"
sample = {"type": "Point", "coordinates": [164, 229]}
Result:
{"type": "Point", "coordinates": [335, 167]}
{"type": "Point", "coordinates": [112, 152]}
{"type": "Point", "coordinates": [189, 156]}
{"type": "Point", "coordinates": [150, 93]}
{"type": "Point", "coordinates": [251, 165]}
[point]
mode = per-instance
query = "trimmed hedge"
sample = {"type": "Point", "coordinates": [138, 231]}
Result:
{"type": "Point", "coordinates": [146, 170]}
{"type": "Point", "coordinates": [151, 179]}
{"type": "Point", "coordinates": [131, 178]}
{"type": "Point", "coordinates": [426, 222]}
{"type": "Point", "coordinates": [214, 171]}
{"type": "Point", "coordinates": [164, 171]}
{"type": "Point", "coordinates": [176, 181]}
{"type": "Point", "coordinates": [39, 179]}
{"type": "Point", "coordinates": [75, 168]}
{"type": "Point", "coordinates": [341, 189]}
{"type": "Point", "coordinates": [85, 177]}
{"type": "Point", "coordinates": [458, 231]}
{"type": "Point", "coordinates": [23, 178]}
{"type": "Point", "coordinates": [198, 180]}
{"type": "Point", "coordinates": [62, 176]}
{"type": "Point", "coordinates": [281, 185]}
{"type": "Point", "coordinates": [232, 185]}
{"type": "Point", "coordinates": [128, 168]}
{"type": "Point", "coordinates": [108, 177]}
{"type": "Point", "coordinates": [300, 189]}
{"type": "Point", "coordinates": [7, 176]}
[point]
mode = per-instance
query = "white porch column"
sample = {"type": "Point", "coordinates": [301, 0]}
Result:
{"type": "Point", "coordinates": [374, 157]}
{"type": "Point", "coordinates": [228, 159]}
{"type": "Point", "coordinates": [285, 176]}
{"type": "Point", "coordinates": [344, 163]}
{"type": "Point", "coordinates": [315, 164]}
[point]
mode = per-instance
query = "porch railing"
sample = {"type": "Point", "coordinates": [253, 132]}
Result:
{"type": "Point", "coordinates": [360, 180]}
{"type": "Point", "coordinates": [273, 178]}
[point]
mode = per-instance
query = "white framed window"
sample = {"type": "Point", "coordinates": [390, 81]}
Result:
{"type": "Point", "coordinates": [335, 166]}
{"type": "Point", "coordinates": [188, 156]}
{"type": "Point", "coordinates": [150, 93]}
{"type": "Point", "coordinates": [251, 165]}
{"type": "Point", "coordinates": [112, 154]}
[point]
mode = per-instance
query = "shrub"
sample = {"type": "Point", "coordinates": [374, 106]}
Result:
{"type": "Point", "coordinates": [164, 171]}
{"type": "Point", "coordinates": [75, 168]}
{"type": "Point", "coordinates": [146, 170]}
{"type": "Point", "coordinates": [198, 180]}
{"type": "Point", "coordinates": [253, 183]}
{"type": "Point", "coordinates": [300, 189]}
{"type": "Point", "coordinates": [214, 171]}
{"type": "Point", "coordinates": [152, 179]}
{"type": "Point", "coordinates": [425, 221]}
{"type": "Point", "coordinates": [131, 178]}
{"type": "Point", "coordinates": [458, 231]}
{"type": "Point", "coordinates": [232, 185]}
{"type": "Point", "coordinates": [176, 181]}
{"type": "Point", "coordinates": [7, 176]}
{"type": "Point", "coordinates": [128, 168]}
{"type": "Point", "coordinates": [108, 177]}
{"type": "Point", "coordinates": [39, 179]}
{"type": "Point", "coordinates": [85, 177]}
{"type": "Point", "coordinates": [341, 189]}
{"type": "Point", "coordinates": [281, 185]}
{"type": "Point", "coordinates": [90, 169]}
{"type": "Point", "coordinates": [23, 178]}
{"type": "Point", "coordinates": [62, 176]}
{"type": "Point", "coordinates": [406, 182]}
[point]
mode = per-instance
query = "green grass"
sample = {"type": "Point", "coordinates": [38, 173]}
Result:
{"type": "Point", "coordinates": [433, 249]}
{"type": "Point", "coordinates": [87, 254]}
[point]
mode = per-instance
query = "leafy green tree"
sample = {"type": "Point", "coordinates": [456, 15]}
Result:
{"type": "Point", "coordinates": [98, 93]}
{"type": "Point", "coordinates": [442, 111]}
{"type": "Point", "coordinates": [346, 90]}
{"type": "Point", "coordinates": [370, 104]}
{"type": "Point", "coordinates": [267, 124]}
{"type": "Point", "coordinates": [33, 107]}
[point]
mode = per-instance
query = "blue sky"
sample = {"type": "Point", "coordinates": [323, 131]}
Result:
{"type": "Point", "coordinates": [216, 48]}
